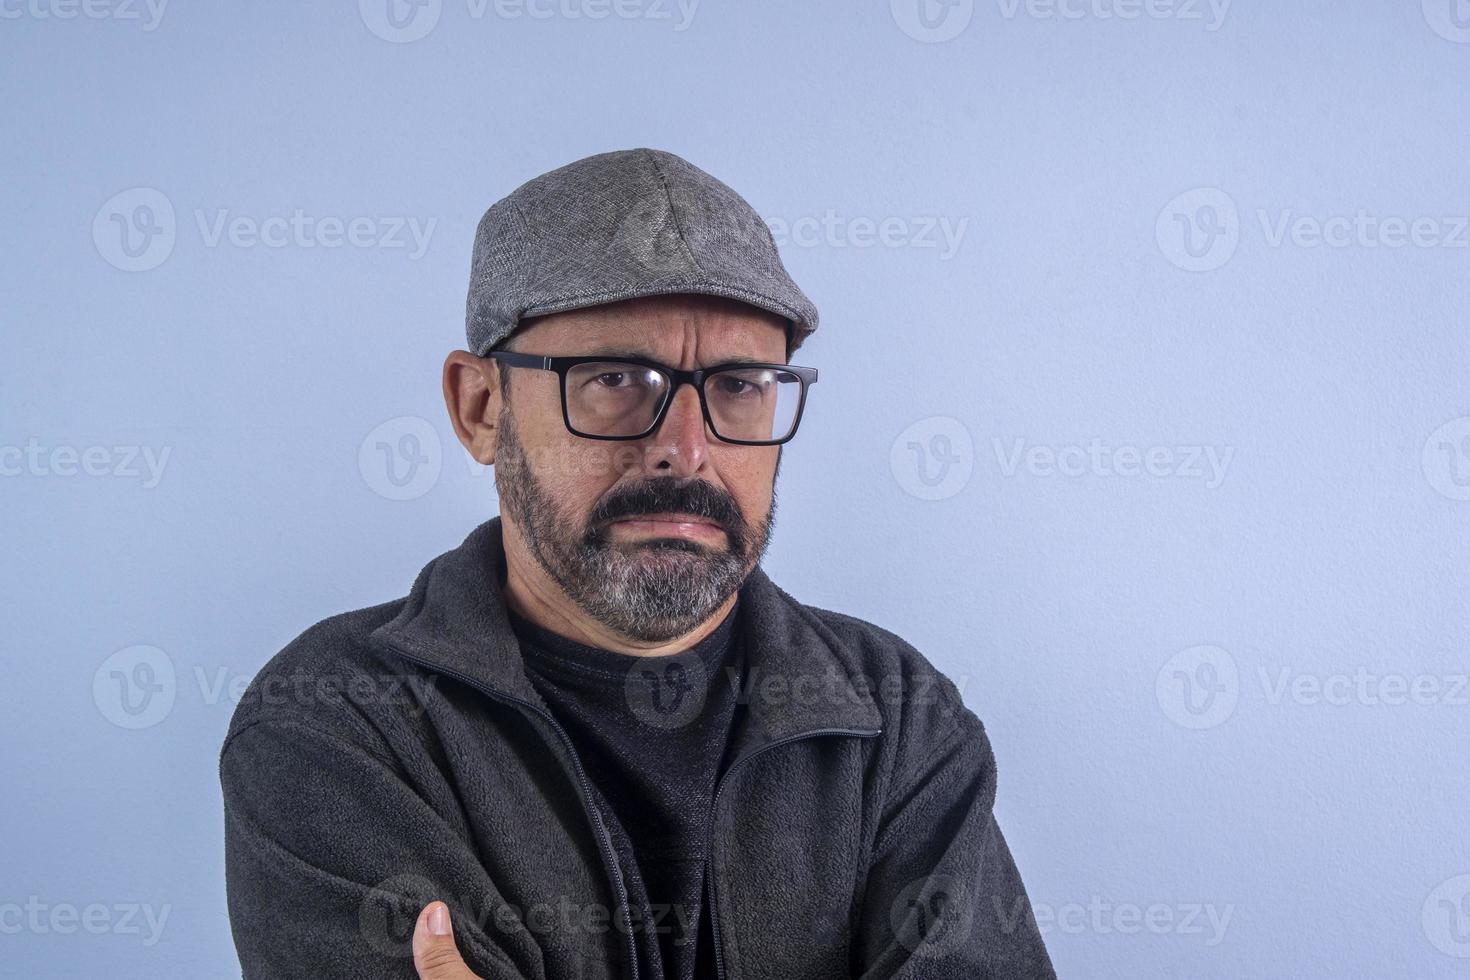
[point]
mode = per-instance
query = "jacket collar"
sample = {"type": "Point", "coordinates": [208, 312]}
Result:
{"type": "Point", "coordinates": [804, 680]}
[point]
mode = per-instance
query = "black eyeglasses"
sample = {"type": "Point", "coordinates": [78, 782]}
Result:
{"type": "Point", "coordinates": [746, 403]}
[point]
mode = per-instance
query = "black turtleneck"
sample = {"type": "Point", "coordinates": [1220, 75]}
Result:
{"type": "Point", "coordinates": [651, 733]}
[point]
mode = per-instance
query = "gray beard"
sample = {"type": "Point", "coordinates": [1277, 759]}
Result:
{"type": "Point", "coordinates": [652, 592]}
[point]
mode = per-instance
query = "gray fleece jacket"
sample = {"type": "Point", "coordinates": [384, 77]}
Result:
{"type": "Point", "coordinates": [398, 754]}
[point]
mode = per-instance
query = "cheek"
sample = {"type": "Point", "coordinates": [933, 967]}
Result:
{"type": "Point", "coordinates": [750, 480]}
{"type": "Point", "coordinates": [580, 472]}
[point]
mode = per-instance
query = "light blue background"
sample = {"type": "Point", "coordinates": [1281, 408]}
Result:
{"type": "Point", "coordinates": [1069, 607]}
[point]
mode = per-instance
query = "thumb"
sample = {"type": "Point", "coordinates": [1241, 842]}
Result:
{"type": "Point", "coordinates": [435, 956]}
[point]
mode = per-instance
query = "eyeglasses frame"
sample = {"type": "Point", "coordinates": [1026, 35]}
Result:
{"type": "Point", "coordinates": [678, 376]}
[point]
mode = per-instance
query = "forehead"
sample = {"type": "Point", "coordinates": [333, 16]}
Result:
{"type": "Point", "coordinates": [667, 325]}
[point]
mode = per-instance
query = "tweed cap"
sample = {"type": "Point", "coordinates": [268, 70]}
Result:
{"type": "Point", "coordinates": [617, 225]}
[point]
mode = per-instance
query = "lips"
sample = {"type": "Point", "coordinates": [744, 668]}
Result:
{"type": "Point", "coordinates": [669, 518]}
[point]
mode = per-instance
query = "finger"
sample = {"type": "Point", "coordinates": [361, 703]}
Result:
{"type": "Point", "coordinates": [435, 955]}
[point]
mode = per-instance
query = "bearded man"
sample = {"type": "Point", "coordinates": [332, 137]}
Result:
{"type": "Point", "coordinates": [595, 740]}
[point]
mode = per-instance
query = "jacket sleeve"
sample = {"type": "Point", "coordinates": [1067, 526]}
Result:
{"type": "Point", "coordinates": [330, 854]}
{"type": "Point", "coordinates": [944, 900]}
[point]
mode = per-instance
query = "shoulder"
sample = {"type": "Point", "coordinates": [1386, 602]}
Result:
{"type": "Point", "coordinates": [922, 707]}
{"type": "Point", "coordinates": [327, 679]}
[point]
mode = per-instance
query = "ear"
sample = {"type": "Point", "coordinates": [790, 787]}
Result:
{"type": "Point", "coordinates": [472, 395]}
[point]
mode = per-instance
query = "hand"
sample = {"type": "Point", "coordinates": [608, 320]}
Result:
{"type": "Point", "coordinates": [435, 956]}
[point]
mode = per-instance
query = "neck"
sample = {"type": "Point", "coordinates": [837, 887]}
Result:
{"type": "Point", "coordinates": [535, 596]}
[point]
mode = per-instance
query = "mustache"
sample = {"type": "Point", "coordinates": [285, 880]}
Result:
{"type": "Point", "coordinates": [656, 496]}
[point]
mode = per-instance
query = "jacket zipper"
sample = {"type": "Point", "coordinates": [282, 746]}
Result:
{"type": "Point", "coordinates": [604, 839]}
{"type": "Point", "coordinates": [709, 876]}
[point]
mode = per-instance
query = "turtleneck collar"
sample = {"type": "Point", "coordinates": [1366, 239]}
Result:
{"type": "Point", "coordinates": [552, 651]}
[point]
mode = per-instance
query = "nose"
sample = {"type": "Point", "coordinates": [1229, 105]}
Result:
{"type": "Point", "coordinates": [678, 447]}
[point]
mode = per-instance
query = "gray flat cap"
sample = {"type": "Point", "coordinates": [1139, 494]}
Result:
{"type": "Point", "coordinates": [617, 225]}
